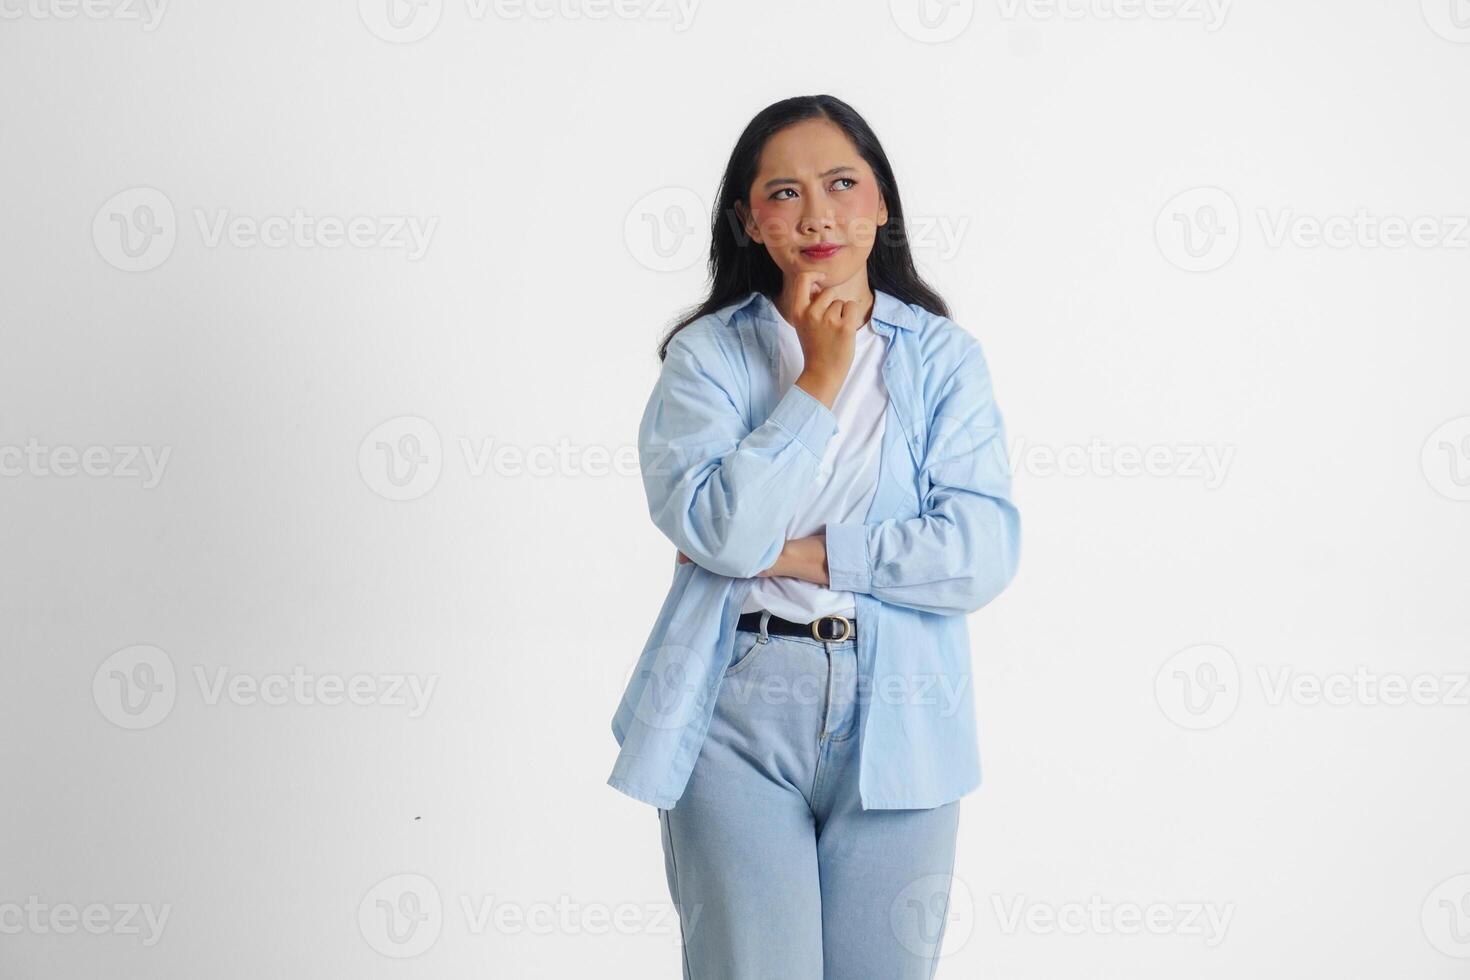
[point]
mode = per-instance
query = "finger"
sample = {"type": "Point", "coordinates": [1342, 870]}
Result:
{"type": "Point", "coordinates": [836, 315]}
{"type": "Point", "coordinates": [683, 558]}
{"type": "Point", "coordinates": [821, 305]}
{"type": "Point", "coordinates": [806, 288]}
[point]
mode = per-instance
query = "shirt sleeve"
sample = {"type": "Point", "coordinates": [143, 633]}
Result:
{"type": "Point", "coordinates": [962, 549]}
{"type": "Point", "coordinates": [722, 492]}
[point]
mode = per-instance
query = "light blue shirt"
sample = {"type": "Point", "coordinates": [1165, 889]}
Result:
{"type": "Point", "coordinates": [726, 458]}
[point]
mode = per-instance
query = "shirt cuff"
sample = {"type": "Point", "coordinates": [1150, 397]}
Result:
{"type": "Point", "coordinates": [806, 418]}
{"type": "Point", "coordinates": [847, 558]}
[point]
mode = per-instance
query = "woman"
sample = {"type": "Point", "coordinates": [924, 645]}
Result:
{"type": "Point", "coordinates": [823, 449]}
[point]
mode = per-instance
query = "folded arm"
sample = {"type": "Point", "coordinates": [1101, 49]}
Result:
{"type": "Point", "coordinates": [723, 493]}
{"type": "Point", "coordinates": [962, 549]}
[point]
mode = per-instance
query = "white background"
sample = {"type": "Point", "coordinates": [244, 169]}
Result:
{"type": "Point", "coordinates": [556, 156]}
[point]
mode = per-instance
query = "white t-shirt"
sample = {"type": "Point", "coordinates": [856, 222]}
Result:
{"type": "Point", "coordinates": [846, 479]}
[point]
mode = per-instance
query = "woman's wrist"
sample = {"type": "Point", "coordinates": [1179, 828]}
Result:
{"type": "Point", "coordinates": [823, 388]}
{"type": "Point", "coordinates": [809, 558]}
{"type": "Point", "coordinates": [801, 558]}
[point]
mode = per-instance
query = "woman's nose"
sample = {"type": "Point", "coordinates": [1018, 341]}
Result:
{"type": "Point", "coordinates": [816, 220]}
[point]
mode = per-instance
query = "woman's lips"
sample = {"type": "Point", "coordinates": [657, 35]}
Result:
{"type": "Point", "coordinates": [821, 251]}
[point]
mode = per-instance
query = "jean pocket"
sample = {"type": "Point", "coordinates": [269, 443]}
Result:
{"type": "Point", "coordinates": [747, 647]}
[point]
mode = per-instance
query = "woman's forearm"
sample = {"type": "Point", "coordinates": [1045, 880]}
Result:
{"type": "Point", "coordinates": [801, 558]}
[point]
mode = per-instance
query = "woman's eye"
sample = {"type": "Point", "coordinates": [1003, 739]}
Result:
{"type": "Point", "coordinates": [850, 182]}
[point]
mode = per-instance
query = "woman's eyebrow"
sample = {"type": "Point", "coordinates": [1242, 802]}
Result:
{"type": "Point", "coordinates": [792, 180]}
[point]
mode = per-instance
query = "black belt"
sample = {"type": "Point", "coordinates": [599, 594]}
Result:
{"type": "Point", "coordinates": [830, 629]}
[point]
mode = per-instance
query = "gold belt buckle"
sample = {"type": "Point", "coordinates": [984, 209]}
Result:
{"type": "Point", "coordinates": [817, 629]}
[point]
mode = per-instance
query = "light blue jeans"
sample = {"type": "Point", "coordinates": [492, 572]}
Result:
{"type": "Point", "coordinates": [776, 870]}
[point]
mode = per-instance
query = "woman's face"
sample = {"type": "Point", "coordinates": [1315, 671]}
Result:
{"type": "Point", "coordinates": [813, 188]}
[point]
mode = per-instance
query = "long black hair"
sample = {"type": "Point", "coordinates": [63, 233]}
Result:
{"type": "Point", "coordinates": [736, 268]}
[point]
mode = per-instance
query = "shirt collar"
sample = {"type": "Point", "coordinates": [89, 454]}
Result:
{"type": "Point", "coordinates": [887, 309]}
